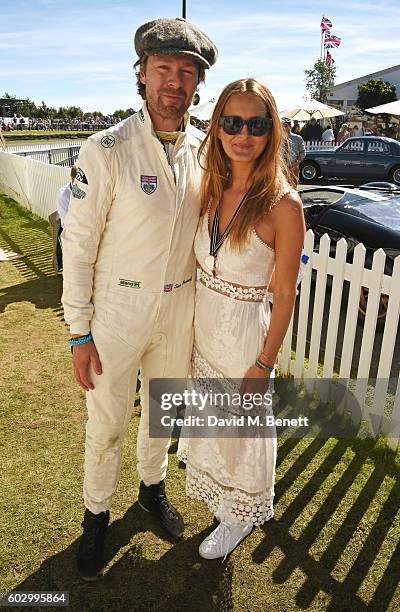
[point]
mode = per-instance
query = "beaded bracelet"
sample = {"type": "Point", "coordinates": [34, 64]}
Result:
{"type": "Point", "coordinates": [80, 340]}
{"type": "Point", "coordinates": [264, 366]}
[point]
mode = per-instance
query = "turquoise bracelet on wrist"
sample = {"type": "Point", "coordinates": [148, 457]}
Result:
{"type": "Point", "coordinates": [264, 366]}
{"type": "Point", "coordinates": [80, 340]}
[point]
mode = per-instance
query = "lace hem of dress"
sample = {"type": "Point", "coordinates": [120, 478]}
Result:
{"type": "Point", "coordinates": [252, 294]}
{"type": "Point", "coordinates": [225, 502]}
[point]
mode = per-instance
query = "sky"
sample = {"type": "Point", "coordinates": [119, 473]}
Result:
{"type": "Point", "coordinates": [81, 53]}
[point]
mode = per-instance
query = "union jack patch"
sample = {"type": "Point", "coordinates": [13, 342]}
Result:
{"type": "Point", "coordinates": [148, 183]}
{"type": "Point", "coordinates": [168, 288]}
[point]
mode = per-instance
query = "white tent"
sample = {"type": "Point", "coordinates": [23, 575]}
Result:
{"type": "Point", "coordinates": [391, 108]}
{"type": "Point", "coordinates": [203, 111]}
{"type": "Point", "coordinates": [311, 108]}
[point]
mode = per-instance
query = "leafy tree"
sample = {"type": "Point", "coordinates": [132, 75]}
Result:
{"type": "Point", "coordinates": [320, 80]}
{"type": "Point", "coordinates": [73, 112]}
{"type": "Point", "coordinates": [374, 93]}
{"type": "Point", "coordinates": [28, 108]}
{"type": "Point", "coordinates": [123, 114]}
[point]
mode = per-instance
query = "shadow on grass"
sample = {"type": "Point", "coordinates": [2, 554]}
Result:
{"type": "Point", "coordinates": [27, 234]}
{"type": "Point", "coordinates": [178, 581]}
{"type": "Point", "coordinates": [383, 479]}
{"type": "Point", "coordinates": [44, 292]}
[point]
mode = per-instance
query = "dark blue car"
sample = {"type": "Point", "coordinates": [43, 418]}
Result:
{"type": "Point", "coordinates": [372, 157]}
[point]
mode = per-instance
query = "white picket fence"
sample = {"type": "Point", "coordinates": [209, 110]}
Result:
{"type": "Point", "coordinates": [35, 185]}
{"type": "Point", "coordinates": [31, 183]}
{"type": "Point", "coordinates": [372, 397]}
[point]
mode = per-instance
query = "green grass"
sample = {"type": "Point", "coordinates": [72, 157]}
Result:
{"type": "Point", "coordinates": [334, 544]}
{"type": "Point", "coordinates": [39, 140]}
{"type": "Point", "coordinates": [44, 132]}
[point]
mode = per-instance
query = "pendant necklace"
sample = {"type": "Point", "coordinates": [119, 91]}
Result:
{"type": "Point", "coordinates": [216, 241]}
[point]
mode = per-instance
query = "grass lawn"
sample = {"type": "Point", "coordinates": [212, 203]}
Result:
{"type": "Point", "coordinates": [44, 132]}
{"type": "Point", "coordinates": [334, 542]}
{"type": "Point", "coordinates": [41, 141]}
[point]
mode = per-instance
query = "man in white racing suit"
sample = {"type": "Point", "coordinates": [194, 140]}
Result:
{"type": "Point", "coordinates": [129, 271]}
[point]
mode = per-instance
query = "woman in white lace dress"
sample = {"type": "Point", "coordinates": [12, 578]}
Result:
{"type": "Point", "coordinates": [252, 225]}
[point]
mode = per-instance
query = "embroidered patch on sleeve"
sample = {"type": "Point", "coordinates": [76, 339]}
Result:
{"type": "Point", "coordinates": [78, 193]}
{"type": "Point", "coordinates": [80, 176]}
{"type": "Point", "coordinates": [107, 141]}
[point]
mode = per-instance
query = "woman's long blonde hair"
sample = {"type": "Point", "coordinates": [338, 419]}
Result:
{"type": "Point", "coordinates": [270, 172]}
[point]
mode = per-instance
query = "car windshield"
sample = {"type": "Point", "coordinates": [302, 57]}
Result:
{"type": "Point", "coordinates": [385, 210]}
{"type": "Point", "coordinates": [320, 196]}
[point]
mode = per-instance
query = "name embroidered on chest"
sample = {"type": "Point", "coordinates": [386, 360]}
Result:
{"type": "Point", "coordinates": [124, 282]}
{"type": "Point", "coordinates": [148, 183]}
{"type": "Point", "coordinates": [170, 287]}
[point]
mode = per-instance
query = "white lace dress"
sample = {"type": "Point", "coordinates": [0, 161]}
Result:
{"type": "Point", "coordinates": [233, 476]}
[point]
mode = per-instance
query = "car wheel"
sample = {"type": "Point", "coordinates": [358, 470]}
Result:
{"type": "Point", "coordinates": [394, 175]}
{"type": "Point", "coordinates": [309, 171]}
{"type": "Point", "coordinates": [382, 310]}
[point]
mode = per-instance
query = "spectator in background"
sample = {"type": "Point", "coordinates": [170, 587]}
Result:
{"type": "Point", "coordinates": [363, 130]}
{"type": "Point", "coordinates": [63, 198]}
{"type": "Point", "coordinates": [312, 131]}
{"type": "Point", "coordinates": [296, 152]}
{"type": "Point", "coordinates": [327, 134]}
{"type": "Point", "coordinates": [343, 134]}
{"type": "Point", "coordinates": [296, 129]}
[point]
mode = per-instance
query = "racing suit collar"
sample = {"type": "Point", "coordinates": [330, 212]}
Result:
{"type": "Point", "coordinates": [146, 122]}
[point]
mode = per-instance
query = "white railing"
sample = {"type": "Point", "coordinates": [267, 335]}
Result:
{"type": "Point", "coordinates": [318, 145]}
{"type": "Point", "coordinates": [51, 153]}
{"type": "Point", "coordinates": [31, 183]}
{"type": "Point", "coordinates": [373, 404]}
{"type": "Point", "coordinates": [45, 146]}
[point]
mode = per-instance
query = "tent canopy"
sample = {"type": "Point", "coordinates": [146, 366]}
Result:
{"type": "Point", "coordinates": [311, 108]}
{"type": "Point", "coordinates": [391, 108]}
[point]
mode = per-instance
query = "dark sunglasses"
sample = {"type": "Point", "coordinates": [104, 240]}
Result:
{"type": "Point", "coordinates": [257, 126]}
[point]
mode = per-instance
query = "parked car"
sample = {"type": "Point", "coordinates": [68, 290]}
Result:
{"type": "Point", "coordinates": [365, 156]}
{"type": "Point", "coordinates": [369, 214]}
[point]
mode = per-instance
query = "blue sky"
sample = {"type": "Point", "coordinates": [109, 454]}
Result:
{"type": "Point", "coordinates": [81, 53]}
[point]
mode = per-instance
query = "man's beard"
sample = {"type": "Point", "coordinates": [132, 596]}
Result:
{"type": "Point", "coordinates": [168, 111]}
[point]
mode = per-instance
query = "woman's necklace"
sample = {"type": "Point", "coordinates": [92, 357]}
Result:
{"type": "Point", "coordinates": [216, 241]}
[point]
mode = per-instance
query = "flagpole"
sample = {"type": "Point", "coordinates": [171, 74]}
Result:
{"type": "Point", "coordinates": [322, 38]}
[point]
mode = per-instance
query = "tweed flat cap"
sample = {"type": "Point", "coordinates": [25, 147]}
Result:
{"type": "Point", "coordinates": [175, 37]}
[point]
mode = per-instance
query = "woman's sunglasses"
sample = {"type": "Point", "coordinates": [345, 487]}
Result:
{"type": "Point", "coordinates": [257, 126]}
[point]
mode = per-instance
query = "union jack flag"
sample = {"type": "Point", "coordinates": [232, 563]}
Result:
{"type": "Point", "coordinates": [326, 22]}
{"type": "Point", "coordinates": [329, 59]}
{"type": "Point", "coordinates": [325, 29]}
{"type": "Point", "coordinates": [332, 41]}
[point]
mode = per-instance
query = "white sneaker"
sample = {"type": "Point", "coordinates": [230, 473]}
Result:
{"type": "Point", "coordinates": [224, 539]}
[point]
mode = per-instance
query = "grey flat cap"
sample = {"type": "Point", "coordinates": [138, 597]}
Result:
{"type": "Point", "coordinates": [175, 37]}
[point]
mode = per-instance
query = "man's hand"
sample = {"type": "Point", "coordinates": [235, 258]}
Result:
{"type": "Point", "coordinates": [83, 355]}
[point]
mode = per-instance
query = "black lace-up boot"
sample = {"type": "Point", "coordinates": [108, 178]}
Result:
{"type": "Point", "coordinates": [153, 499]}
{"type": "Point", "coordinates": [91, 545]}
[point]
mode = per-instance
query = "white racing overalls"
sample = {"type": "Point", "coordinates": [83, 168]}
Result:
{"type": "Point", "coordinates": [129, 274]}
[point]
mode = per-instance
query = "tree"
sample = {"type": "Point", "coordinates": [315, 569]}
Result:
{"type": "Point", "coordinates": [320, 80]}
{"type": "Point", "coordinates": [374, 93]}
{"type": "Point", "coordinates": [123, 114]}
{"type": "Point", "coordinates": [28, 108]}
{"type": "Point", "coordinates": [74, 112]}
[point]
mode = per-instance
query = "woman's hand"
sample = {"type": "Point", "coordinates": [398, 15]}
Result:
{"type": "Point", "coordinates": [255, 380]}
